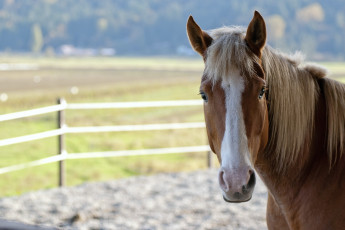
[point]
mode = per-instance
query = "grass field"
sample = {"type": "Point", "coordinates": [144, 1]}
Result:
{"type": "Point", "coordinates": [102, 80]}
{"type": "Point", "coordinates": [99, 80]}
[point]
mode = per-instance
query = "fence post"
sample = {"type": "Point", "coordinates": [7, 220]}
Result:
{"type": "Point", "coordinates": [61, 142]}
{"type": "Point", "coordinates": [209, 159]}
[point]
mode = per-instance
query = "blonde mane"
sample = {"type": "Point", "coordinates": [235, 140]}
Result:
{"type": "Point", "coordinates": [293, 94]}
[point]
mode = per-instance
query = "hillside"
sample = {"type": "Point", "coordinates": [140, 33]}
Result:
{"type": "Point", "coordinates": [157, 27]}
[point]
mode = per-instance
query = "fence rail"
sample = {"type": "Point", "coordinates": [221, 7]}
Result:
{"type": "Point", "coordinates": [33, 112]}
{"type": "Point", "coordinates": [64, 129]}
{"type": "Point", "coordinates": [97, 129]}
{"type": "Point", "coordinates": [114, 105]}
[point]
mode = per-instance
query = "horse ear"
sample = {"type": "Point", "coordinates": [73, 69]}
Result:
{"type": "Point", "coordinates": [256, 34]}
{"type": "Point", "coordinates": [198, 38]}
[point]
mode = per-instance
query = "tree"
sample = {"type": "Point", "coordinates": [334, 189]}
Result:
{"type": "Point", "coordinates": [310, 13]}
{"type": "Point", "coordinates": [37, 39]}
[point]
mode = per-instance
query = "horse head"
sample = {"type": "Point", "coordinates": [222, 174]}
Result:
{"type": "Point", "coordinates": [233, 88]}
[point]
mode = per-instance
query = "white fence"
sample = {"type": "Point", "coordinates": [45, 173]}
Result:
{"type": "Point", "coordinates": [64, 129]}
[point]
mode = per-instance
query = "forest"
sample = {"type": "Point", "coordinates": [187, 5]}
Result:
{"type": "Point", "coordinates": [157, 27]}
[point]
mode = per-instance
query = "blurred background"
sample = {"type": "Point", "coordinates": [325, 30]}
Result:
{"type": "Point", "coordinates": [155, 27]}
{"type": "Point", "coordinates": [129, 50]}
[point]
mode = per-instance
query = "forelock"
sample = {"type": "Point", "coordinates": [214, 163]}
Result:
{"type": "Point", "coordinates": [229, 54]}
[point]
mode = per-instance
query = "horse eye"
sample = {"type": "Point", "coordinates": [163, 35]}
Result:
{"type": "Point", "coordinates": [204, 96]}
{"type": "Point", "coordinates": [262, 92]}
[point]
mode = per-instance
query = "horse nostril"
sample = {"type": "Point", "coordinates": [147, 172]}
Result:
{"type": "Point", "coordinates": [222, 181]}
{"type": "Point", "coordinates": [252, 180]}
{"type": "Point", "coordinates": [251, 183]}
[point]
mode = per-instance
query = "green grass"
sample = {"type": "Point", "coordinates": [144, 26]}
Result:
{"type": "Point", "coordinates": [132, 63]}
{"type": "Point", "coordinates": [335, 67]}
{"type": "Point", "coordinates": [102, 80]}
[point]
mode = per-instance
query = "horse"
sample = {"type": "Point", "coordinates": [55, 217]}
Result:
{"type": "Point", "coordinates": [277, 116]}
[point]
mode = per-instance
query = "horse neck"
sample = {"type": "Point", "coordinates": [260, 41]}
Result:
{"type": "Point", "coordinates": [310, 156]}
{"type": "Point", "coordinates": [307, 177]}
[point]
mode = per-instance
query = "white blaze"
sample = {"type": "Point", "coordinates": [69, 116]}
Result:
{"type": "Point", "coordinates": [234, 148]}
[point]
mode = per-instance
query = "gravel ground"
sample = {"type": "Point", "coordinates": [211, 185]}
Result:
{"type": "Point", "coordinates": [165, 201]}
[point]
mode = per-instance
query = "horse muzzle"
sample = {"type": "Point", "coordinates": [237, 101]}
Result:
{"type": "Point", "coordinates": [237, 185]}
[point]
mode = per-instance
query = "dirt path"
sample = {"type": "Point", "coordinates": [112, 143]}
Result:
{"type": "Point", "coordinates": [166, 201]}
